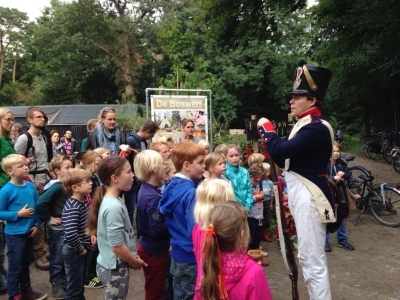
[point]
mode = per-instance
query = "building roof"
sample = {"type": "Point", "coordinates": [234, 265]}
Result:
{"type": "Point", "coordinates": [74, 114]}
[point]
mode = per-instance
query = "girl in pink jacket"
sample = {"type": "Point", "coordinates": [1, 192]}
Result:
{"type": "Point", "coordinates": [228, 272]}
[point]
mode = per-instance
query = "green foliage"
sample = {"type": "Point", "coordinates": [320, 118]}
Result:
{"type": "Point", "coordinates": [129, 122]}
{"type": "Point", "coordinates": [358, 45]}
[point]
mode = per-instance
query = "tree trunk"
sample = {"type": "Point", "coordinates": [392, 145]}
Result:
{"type": "Point", "coordinates": [14, 70]}
{"type": "Point", "coordinates": [129, 96]}
{"type": "Point", "coordinates": [3, 55]}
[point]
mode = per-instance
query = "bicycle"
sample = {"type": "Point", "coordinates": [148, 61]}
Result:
{"type": "Point", "coordinates": [383, 201]}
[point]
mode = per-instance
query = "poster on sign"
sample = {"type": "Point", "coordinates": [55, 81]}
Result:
{"type": "Point", "coordinates": [168, 111]}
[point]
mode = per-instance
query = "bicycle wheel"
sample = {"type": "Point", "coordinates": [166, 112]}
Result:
{"type": "Point", "coordinates": [374, 152]}
{"type": "Point", "coordinates": [387, 154]}
{"type": "Point", "coordinates": [396, 163]}
{"type": "Point", "coordinates": [385, 205]}
{"type": "Point", "coordinates": [365, 149]}
{"type": "Point", "coordinates": [355, 184]}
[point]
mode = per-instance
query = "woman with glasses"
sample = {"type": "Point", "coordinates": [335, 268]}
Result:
{"type": "Point", "coordinates": [6, 148]}
{"type": "Point", "coordinates": [107, 134]}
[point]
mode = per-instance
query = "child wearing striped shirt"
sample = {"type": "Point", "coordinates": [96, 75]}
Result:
{"type": "Point", "coordinates": [77, 183]}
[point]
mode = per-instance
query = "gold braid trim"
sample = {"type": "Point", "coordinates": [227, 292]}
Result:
{"type": "Point", "coordinates": [310, 81]}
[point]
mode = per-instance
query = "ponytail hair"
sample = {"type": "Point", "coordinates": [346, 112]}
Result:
{"type": "Point", "coordinates": [111, 165]}
{"type": "Point", "coordinates": [228, 231]}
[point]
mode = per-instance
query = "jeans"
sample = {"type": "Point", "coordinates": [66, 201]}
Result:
{"type": "Point", "coordinates": [56, 268]}
{"type": "Point", "coordinates": [341, 233]}
{"type": "Point", "coordinates": [184, 279]}
{"type": "Point", "coordinates": [75, 270]}
{"type": "Point", "coordinates": [3, 282]}
{"type": "Point", "coordinates": [19, 254]}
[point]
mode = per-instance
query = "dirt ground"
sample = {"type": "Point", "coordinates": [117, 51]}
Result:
{"type": "Point", "coordinates": [370, 272]}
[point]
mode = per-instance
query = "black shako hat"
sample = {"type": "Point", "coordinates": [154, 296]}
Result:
{"type": "Point", "coordinates": [310, 80]}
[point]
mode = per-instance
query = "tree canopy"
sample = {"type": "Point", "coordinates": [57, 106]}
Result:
{"type": "Point", "coordinates": [245, 51]}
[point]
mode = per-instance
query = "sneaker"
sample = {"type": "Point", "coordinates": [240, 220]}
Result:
{"type": "Point", "coordinates": [95, 283]}
{"type": "Point", "coordinates": [42, 263]}
{"type": "Point", "coordinates": [263, 262]}
{"type": "Point", "coordinates": [328, 247]}
{"type": "Point", "coordinates": [58, 290]}
{"type": "Point", "coordinates": [346, 245]}
{"type": "Point", "coordinates": [32, 295]}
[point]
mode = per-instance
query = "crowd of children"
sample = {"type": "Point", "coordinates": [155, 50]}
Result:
{"type": "Point", "coordinates": [197, 216]}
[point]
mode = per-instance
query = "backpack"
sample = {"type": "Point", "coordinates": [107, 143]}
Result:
{"type": "Point", "coordinates": [29, 145]}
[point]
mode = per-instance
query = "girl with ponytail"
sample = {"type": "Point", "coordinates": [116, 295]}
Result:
{"type": "Point", "coordinates": [109, 220]}
{"type": "Point", "coordinates": [228, 272]}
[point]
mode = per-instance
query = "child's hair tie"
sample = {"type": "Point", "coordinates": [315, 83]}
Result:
{"type": "Point", "coordinates": [210, 233]}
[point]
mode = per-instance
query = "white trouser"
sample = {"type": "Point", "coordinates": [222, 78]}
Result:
{"type": "Point", "coordinates": [310, 238]}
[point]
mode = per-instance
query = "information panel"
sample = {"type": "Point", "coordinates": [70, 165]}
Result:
{"type": "Point", "coordinates": [168, 111]}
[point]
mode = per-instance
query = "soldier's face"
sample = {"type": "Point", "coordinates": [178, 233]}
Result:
{"type": "Point", "coordinates": [300, 104]}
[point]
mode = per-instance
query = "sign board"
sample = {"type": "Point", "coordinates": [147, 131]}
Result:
{"type": "Point", "coordinates": [168, 111]}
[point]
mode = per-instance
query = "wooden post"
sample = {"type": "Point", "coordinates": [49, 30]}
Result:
{"type": "Point", "coordinates": [255, 142]}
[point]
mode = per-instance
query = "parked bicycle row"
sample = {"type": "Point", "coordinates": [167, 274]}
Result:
{"type": "Point", "coordinates": [383, 145]}
{"type": "Point", "coordinates": [383, 200]}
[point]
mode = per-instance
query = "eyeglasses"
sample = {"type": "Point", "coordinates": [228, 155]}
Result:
{"type": "Point", "coordinates": [39, 117]}
{"type": "Point", "coordinates": [85, 182]}
{"type": "Point", "coordinates": [9, 119]}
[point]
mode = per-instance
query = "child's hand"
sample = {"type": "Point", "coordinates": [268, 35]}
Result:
{"type": "Point", "coordinates": [93, 239]}
{"type": "Point", "coordinates": [57, 221]}
{"type": "Point", "coordinates": [138, 263]}
{"type": "Point", "coordinates": [25, 212]}
{"type": "Point", "coordinates": [340, 174]}
{"type": "Point", "coordinates": [33, 232]}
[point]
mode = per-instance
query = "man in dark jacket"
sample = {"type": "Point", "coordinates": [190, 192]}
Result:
{"type": "Point", "coordinates": [70, 144]}
{"type": "Point", "coordinates": [138, 142]}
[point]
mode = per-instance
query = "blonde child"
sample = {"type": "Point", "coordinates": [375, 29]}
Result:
{"type": "Point", "coordinates": [168, 139]}
{"type": "Point", "coordinates": [255, 216]}
{"type": "Point", "coordinates": [205, 145]}
{"type": "Point", "coordinates": [152, 228]}
{"type": "Point", "coordinates": [17, 207]}
{"type": "Point", "coordinates": [49, 209]}
{"type": "Point", "coordinates": [255, 158]}
{"type": "Point", "coordinates": [170, 172]}
{"type": "Point", "coordinates": [222, 149]}
{"type": "Point", "coordinates": [228, 272]}
{"type": "Point", "coordinates": [267, 187]}
{"type": "Point", "coordinates": [104, 152]}
{"type": "Point", "coordinates": [90, 162]}
{"type": "Point", "coordinates": [109, 220]}
{"type": "Point", "coordinates": [239, 177]}
{"type": "Point", "coordinates": [208, 194]}
{"type": "Point", "coordinates": [215, 166]}
{"type": "Point", "coordinates": [76, 242]}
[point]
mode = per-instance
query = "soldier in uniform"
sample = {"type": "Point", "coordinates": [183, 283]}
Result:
{"type": "Point", "coordinates": [304, 157]}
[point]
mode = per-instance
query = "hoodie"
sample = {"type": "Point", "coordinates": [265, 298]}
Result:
{"type": "Point", "coordinates": [177, 205]}
{"type": "Point", "coordinates": [244, 278]}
